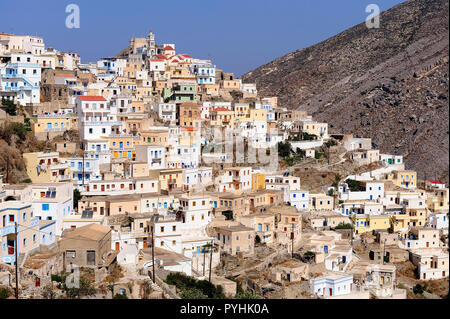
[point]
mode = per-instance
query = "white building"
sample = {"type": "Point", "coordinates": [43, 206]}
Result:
{"type": "Point", "coordinates": [97, 117]}
{"type": "Point", "coordinates": [153, 155]}
{"type": "Point", "coordinates": [369, 190]}
{"type": "Point", "coordinates": [167, 111]}
{"type": "Point", "coordinates": [21, 76]}
{"type": "Point", "coordinates": [299, 199]}
{"type": "Point", "coordinates": [234, 179]}
{"type": "Point", "coordinates": [332, 284]}
{"type": "Point", "coordinates": [196, 215]}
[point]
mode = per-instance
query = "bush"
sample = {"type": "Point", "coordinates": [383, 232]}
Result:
{"type": "Point", "coordinates": [192, 288]}
{"type": "Point", "coordinates": [4, 293]}
{"type": "Point", "coordinates": [257, 239]}
{"type": "Point", "coordinates": [344, 226]}
{"type": "Point", "coordinates": [120, 296]}
{"type": "Point", "coordinates": [10, 107]}
{"type": "Point", "coordinates": [20, 130]}
{"type": "Point", "coordinates": [418, 289]}
{"type": "Point", "coordinates": [228, 214]}
{"type": "Point", "coordinates": [284, 149]}
{"type": "Point", "coordinates": [58, 278]}
{"type": "Point", "coordinates": [353, 185]}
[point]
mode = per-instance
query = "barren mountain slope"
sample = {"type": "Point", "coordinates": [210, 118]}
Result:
{"type": "Point", "coordinates": [389, 83]}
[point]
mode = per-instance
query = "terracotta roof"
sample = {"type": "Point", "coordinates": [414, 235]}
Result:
{"type": "Point", "coordinates": [222, 109]}
{"type": "Point", "coordinates": [189, 104]}
{"type": "Point", "coordinates": [161, 56]}
{"type": "Point", "coordinates": [168, 47]}
{"type": "Point", "coordinates": [436, 182]}
{"type": "Point", "coordinates": [92, 98]}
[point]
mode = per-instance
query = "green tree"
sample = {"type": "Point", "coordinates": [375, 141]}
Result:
{"type": "Point", "coordinates": [284, 149]}
{"type": "Point", "coordinates": [257, 239]}
{"type": "Point", "coordinates": [120, 296]}
{"type": "Point", "coordinates": [353, 185]}
{"type": "Point", "coordinates": [10, 107]}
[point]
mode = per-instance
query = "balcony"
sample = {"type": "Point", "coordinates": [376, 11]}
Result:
{"type": "Point", "coordinates": [65, 177]}
{"type": "Point", "coordinates": [97, 123]}
{"type": "Point", "coordinates": [57, 129]}
{"type": "Point", "coordinates": [7, 230]}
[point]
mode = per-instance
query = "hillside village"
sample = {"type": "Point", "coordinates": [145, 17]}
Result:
{"type": "Point", "coordinates": [134, 176]}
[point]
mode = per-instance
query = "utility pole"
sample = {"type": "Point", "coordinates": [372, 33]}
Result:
{"type": "Point", "coordinates": [51, 282]}
{"type": "Point", "coordinates": [82, 145]}
{"type": "Point", "coordinates": [384, 249]}
{"type": "Point", "coordinates": [153, 256]}
{"type": "Point", "coordinates": [17, 261]}
{"type": "Point", "coordinates": [204, 260]}
{"type": "Point", "coordinates": [292, 239]}
{"type": "Point", "coordinates": [210, 260]}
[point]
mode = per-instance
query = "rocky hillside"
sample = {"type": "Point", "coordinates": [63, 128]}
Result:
{"type": "Point", "coordinates": [389, 83]}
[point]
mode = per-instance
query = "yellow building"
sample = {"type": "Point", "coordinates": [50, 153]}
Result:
{"type": "Point", "coordinates": [437, 199]}
{"type": "Point", "coordinates": [315, 128]}
{"type": "Point", "coordinates": [242, 112]}
{"type": "Point", "coordinates": [222, 117]}
{"type": "Point", "coordinates": [258, 181]}
{"type": "Point", "coordinates": [409, 218]}
{"type": "Point", "coordinates": [405, 179]}
{"type": "Point", "coordinates": [122, 146]}
{"type": "Point", "coordinates": [169, 179]}
{"type": "Point", "coordinates": [12, 212]}
{"type": "Point", "coordinates": [363, 223]}
{"type": "Point", "coordinates": [45, 167]}
{"type": "Point", "coordinates": [258, 115]}
{"type": "Point", "coordinates": [54, 123]}
{"type": "Point", "coordinates": [321, 202]}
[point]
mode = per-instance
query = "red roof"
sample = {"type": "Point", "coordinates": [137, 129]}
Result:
{"type": "Point", "coordinates": [168, 47]}
{"type": "Point", "coordinates": [175, 60]}
{"type": "Point", "coordinates": [156, 60]}
{"type": "Point", "coordinates": [161, 56]}
{"type": "Point", "coordinates": [436, 182]}
{"type": "Point", "coordinates": [189, 104]}
{"type": "Point", "coordinates": [222, 109]}
{"type": "Point", "coordinates": [186, 56]}
{"type": "Point", "coordinates": [92, 98]}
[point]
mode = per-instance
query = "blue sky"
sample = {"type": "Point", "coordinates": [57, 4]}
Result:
{"type": "Point", "coordinates": [238, 35]}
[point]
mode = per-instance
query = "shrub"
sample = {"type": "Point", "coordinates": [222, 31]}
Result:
{"type": "Point", "coordinates": [257, 239]}
{"type": "Point", "coordinates": [4, 293]}
{"type": "Point", "coordinates": [194, 289]}
{"type": "Point", "coordinates": [10, 107]}
{"type": "Point", "coordinates": [353, 185]}
{"type": "Point", "coordinates": [344, 226]}
{"type": "Point", "coordinates": [120, 296]}
{"type": "Point", "coordinates": [418, 289]}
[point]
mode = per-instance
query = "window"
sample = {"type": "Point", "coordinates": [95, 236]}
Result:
{"type": "Point", "coordinates": [90, 257]}
{"type": "Point", "coordinates": [45, 207]}
{"type": "Point", "coordinates": [70, 254]}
